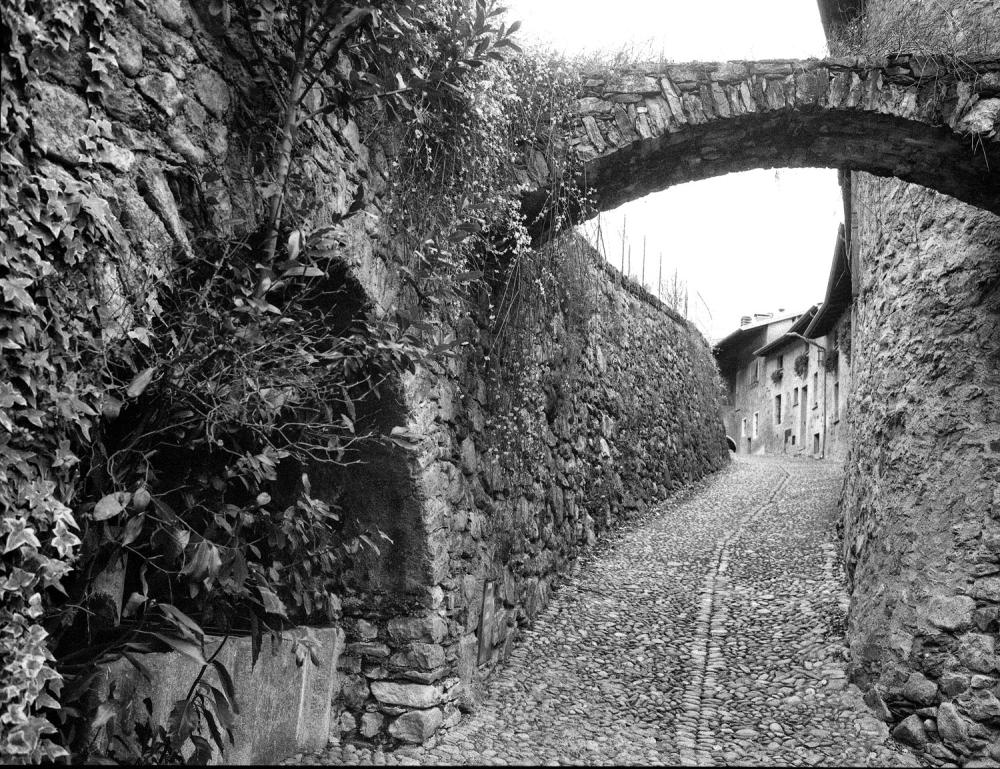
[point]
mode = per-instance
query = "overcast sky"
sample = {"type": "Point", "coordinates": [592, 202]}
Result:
{"type": "Point", "coordinates": [751, 242]}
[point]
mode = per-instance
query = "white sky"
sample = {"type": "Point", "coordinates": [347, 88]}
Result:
{"type": "Point", "coordinates": [749, 242]}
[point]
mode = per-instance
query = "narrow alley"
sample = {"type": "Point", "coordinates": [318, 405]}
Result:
{"type": "Point", "coordinates": [709, 632]}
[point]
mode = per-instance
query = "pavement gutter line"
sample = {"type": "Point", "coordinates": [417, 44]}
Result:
{"type": "Point", "coordinates": [705, 649]}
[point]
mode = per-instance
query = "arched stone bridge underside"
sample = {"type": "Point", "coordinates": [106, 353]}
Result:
{"type": "Point", "coordinates": [927, 120]}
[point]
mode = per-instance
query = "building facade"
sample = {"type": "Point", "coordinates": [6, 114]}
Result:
{"type": "Point", "coordinates": [787, 378]}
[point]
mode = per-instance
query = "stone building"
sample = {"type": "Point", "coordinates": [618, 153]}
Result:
{"type": "Point", "coordinates": [787, 378]}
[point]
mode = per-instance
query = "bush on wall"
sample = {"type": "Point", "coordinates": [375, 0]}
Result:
{"type": "Point", "coordinates": [164, 432]}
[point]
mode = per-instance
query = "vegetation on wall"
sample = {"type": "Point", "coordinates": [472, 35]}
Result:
{"type": "Point", "coordinates": [932, 29]}
{"type": "Point", "coordinates": [801, 364]}
{"type": "Point", "coordinates": [160, 433]}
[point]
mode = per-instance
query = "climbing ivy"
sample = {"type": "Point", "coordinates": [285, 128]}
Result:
{"type": "Point", "coordinates": [163, 428]}
{"type": "Point", "coordinates": [56, 230]}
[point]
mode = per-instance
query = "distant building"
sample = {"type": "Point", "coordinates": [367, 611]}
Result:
{"type": "Point", "coordinates": [787, 378]}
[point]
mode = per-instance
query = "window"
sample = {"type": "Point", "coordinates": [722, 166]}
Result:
{"type": "Point", "coordinates": [743, 428]}
{"type": "Point", "coordinates": [793, 439]}
{"type": "Point", "coordinates": [836, 401]}
{"type": "Point", "coordinates": [756, 370]}
{"type": "Point", "coordinates": [815, 389]}
{"type": "Point", "coordinates": [795, 397]}
{"type": "Point", "coordinates": [815, 443]}
{"type": "Point", "coordinates": [781, 361]}
{"type": "Point", "coordinates": [777, 409]}
{"type": "Point", "coordinates": [756, 422]}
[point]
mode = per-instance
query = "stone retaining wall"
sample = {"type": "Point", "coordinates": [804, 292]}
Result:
{"type": "Point", "coordinates": [607, 416]}
{"type": "Point", "coordinates": [609, 412]}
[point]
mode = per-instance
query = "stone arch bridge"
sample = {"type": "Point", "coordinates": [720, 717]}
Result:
{"type": "Point", "coordinates": [933, 121]}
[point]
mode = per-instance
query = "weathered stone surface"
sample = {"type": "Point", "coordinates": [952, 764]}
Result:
{"type": "Point", "coordinates": [172, 14]}
{"type": "Point", "coordinates": [421, 656]}
{"type": "Point", "coordinates": [983, 118]}
{"type": "Point", "coordinates": [951, 726]}
{"type": "Point", "coordinates": [406, 695]}
{"type": "Point", "coordinates": [980, 705]}
{"type": "Point", "coordinates": [161, 89]}
{"type": "Point", "coordinates": [416, 726]}
{"type": "Point", "coordinates": [951, 612]}
{"type": "Point", "coordinates": [212, 91]}
{"type": "Point", "coordinates": [354, 691]}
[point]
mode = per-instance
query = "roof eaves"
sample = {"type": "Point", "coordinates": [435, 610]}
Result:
{"type": "Point", "coordinates": [797, 328]}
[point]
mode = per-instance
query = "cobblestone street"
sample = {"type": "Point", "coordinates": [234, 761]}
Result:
{"type": "Point", "coordinates": [708, 632]}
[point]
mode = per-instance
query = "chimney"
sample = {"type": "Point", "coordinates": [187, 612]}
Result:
{"type": "Point", "coordinates": [745, 321]}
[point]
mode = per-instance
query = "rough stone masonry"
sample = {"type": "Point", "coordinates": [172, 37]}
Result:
{"type": "Point", "coordinates": [480, 537]}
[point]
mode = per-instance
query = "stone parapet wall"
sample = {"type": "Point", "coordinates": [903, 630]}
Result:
{"type": "Point", "coordinates": [921, 498]}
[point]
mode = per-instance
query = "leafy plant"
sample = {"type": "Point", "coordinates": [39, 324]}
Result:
{"type": "Point", "coordinates": [801, 364]}
{"type": "Point", "coordinates": [777, 375]}
{"type": "Point", "coordinates": [832, 359]}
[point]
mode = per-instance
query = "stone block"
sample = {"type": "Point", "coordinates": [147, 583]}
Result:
{"type": "Point", "coordinates": [419, 656]}
{"type": "Point", "coordinates": [920, 690]}
{"type": "Point", "coordinates": [368, 649]}
{"type": "Point", "coordinates": [980, 705]}
{"type": "Point", "coordinates": [978, 652]}
{"type": "Point", "coordinates": [371, 724]}
{"type": "Point", "coordinates": [953, 684]}
{"type": "Point", "coordinates": [406, 695]}
{"type": "Point", "coordinates": [59, 120]}
{"type": "Point", "coordinates": [951, 612]}
{"type": "Point", "coordinates": [987, 589]}
{"type": "Point", "coordinates": [910, 731]}
{"type": "Point", "coordinates": [267, 728]}
{"type": "Point", "coordinates": [429, 628]}
{"type": "Point", "coordinates": [416, 726]}
{"type": "Point", "coordinates": [952, 727]}
{"type": "Point", "coordinates": [212, 91]}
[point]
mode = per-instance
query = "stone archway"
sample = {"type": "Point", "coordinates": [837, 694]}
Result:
{"type": "Point", "coordinates": [927, 120]}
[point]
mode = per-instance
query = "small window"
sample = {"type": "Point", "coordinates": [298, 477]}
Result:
{"type": "Point", "coordinates": [836, 401]}
{"type": "Point", "coordinates": [781, 361]}
{"type": "Point", "coordinates": [793, 439]}
{"type": "Point", "coordinates": [743, 428]}
{"type": "Point", "coordinates": [795, 397]}
{"type": "Point", "coordinates": [756, 370]}
{"type": "Point", "coordinates": [815, 443]}
{"type": "Point", "coordinates": [777, 409]}
{"type": "Point", "coordinates": [815, 389]}
{"type": "Point", "coordinates": [756, 422]}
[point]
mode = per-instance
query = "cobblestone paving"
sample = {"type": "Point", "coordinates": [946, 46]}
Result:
{"type": "Point", "coordinates": [709, 632]}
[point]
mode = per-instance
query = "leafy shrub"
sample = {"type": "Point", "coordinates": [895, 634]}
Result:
{"type": "Point", "coordinates": [801, 364]}
{"type": "Point", "coordinates": [170, 427]}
